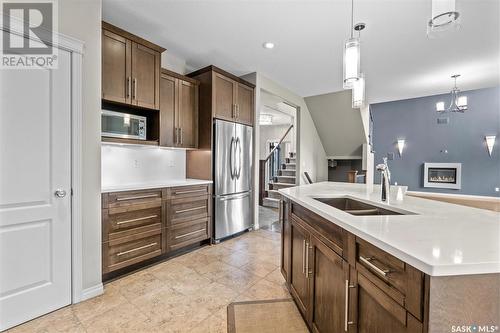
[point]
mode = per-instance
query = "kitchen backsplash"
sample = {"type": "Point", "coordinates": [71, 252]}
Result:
{"type": "Point", "coordinates": [132, 165]}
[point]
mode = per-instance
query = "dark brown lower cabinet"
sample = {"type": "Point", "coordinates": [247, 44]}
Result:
{"type": "Point", "coordinates": [299, 281]}
{"type": "Point", "coordinates": [356, 288]}
{"type": "Point", "coordinates": [329, 276]}
{"type": "Point", "coordinates": [376, 312]}
{"type": "Point", "coordinates": [285, 241]}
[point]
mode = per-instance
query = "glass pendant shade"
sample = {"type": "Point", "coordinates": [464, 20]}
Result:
{"type": "Point", "coordinates": [444, 18]}
{"type": "Point", "coordinates": [358, 92]}
{"type": "Point", "coordinates": [351, 62]}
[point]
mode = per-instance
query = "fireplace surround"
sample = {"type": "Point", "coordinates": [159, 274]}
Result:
{"type": "Point", "coordinates": [443, 175]}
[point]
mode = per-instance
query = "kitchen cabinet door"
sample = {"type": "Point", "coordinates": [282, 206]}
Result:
{"type": "Point", "coordinates": [299, 275]}
{"type": "Point", "coordinates": [188, 114]}
{"type": "Point", "coordinates": [224, 97]}
{"type": "Point", "coordinates": [145, 77]}
{"type": "Point", "coordinates": [116, 68]}
{"type": "Point", "coordinates": [168, 109]}
{"type": "Point", "coordinates": [286, 241]}
{"type": "Point", "coordinates": [329, 283]}
{"type": "Point", "coordinates": [245, 104]}
{"type": "Point", "coordinates": [376, 312]}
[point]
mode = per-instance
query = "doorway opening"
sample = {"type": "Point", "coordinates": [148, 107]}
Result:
{"type": "Point", "coordinates": [277, 138]}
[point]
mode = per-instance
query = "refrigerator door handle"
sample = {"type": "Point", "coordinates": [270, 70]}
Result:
{"type": "Point", "coordinates": [231, 157]}
{"type": "Point", "coordinates": [234, 197]}
{"type": "Point", "coordinates": [238, 147]}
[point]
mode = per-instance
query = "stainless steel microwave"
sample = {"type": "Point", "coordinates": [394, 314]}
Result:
{"type": "Point", "coordinates": [123, 125]}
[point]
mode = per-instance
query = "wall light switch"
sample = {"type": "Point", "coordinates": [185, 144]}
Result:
{"type": "Point", "coordinates": [390, 156]}
{"type": "Point", "coordinates": [136, 163]}
{"type": "Point", "coordinates": [171, 163]}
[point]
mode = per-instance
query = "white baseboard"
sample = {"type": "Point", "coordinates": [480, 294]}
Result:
{"type": "Point", "coordinates": [92, 292]}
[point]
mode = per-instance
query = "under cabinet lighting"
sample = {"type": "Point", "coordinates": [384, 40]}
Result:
{"type": "Point", "coordinates": [490, 142]}
{"type": "Point", "coordinates": [401, 145]}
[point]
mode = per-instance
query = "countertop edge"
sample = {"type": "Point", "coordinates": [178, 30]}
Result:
{"type": "Point", "coordinates": [429, 269]}
{"type": "Point", "coordinates": [148, 186]}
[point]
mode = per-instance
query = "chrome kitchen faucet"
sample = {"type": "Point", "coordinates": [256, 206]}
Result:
{"type": "Point", "coordinates": [385, 183]}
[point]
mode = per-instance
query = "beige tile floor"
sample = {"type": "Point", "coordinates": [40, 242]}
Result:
{"type": "Point", "coordinates": [189, 293]}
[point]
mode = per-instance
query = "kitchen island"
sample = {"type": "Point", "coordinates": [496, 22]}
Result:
{"type": "Point", "coordinates": [412, 265]}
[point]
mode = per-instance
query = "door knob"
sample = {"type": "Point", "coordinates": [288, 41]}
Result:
{"type": "Point", "coordinates": [60, 193]}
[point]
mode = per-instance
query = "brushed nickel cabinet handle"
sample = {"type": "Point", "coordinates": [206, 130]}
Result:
{"type": "Point", "coordinates": [129, 87]}
{"type": "Point", "coordinates": [136, 249]}
{"type": "Point", "coordinates": [346, 317]}
{"type": "Point", "coordinates": [307, 260]}
{"type": "Point", "coordinates": [190, 191]}
{"type": "Point", "coordinates": [137, 197]}
{"type": "Point", "coordinates": [189, 209]}
{"type": "Point", "coordinates": [137, 219]}
{"type": "Point", "coordinates": [380, 271]}
{"type": "Point", "coordinates": [134, 96]}
{"type": "Point", "coordinates": [190, 233]}
{"type": "Point", "coordinates": [304, 256]}
{"type": "Point", "coordinates": [180, 131]}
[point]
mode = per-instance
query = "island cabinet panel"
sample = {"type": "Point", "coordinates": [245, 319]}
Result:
{"type": "Point", "coordinates": [342, 283]}
{"type": "Point", "coordinates": [284, 214]}
{"type": "Point", "coordinates": [330, 280]}
{"type": "Point", "coordinates": [299, 280]}
{"type": "Point", "coordinates": [377, 312]}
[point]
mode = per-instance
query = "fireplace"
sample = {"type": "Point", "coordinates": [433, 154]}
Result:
{"type": "Point", "coordinates": [443, 175]}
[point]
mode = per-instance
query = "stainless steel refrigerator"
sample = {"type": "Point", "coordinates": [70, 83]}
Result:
{"type": "Point", "coordinates": [232, 178]}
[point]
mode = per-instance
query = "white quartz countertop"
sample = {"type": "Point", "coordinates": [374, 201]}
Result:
{"type": "Point", "coordinates": [149, 185]}
{"type": "Point", "coordinates": [440, 239]}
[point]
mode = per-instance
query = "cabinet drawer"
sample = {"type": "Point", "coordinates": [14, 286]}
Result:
{"type": "Point", "coordinates": [132, 200]}
{"type": "Point", "coordinates": [188, 191]}
{"type": "Point", "coordinates": [187, 209]}
{"type": "Point", "coordinates": [125, 223]}
{"type": "Point", "coordinates": [331, 234]}
{"type": "Point", "coordinates": [400, 281]}
{"type": "Point", "coordinates": [184, 234]}
{"type": "Point", "coordinates": [130, 250]}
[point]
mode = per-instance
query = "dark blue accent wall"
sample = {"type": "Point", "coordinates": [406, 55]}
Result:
{"type": "Point", "coordinates": [415, 120]}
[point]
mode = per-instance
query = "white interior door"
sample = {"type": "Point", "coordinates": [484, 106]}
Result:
{"type": "Point", "coordinates": [35, 219]}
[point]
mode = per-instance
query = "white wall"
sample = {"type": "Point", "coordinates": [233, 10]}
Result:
{"type": "Point", "coordinates": [81, 19]}
{"type": "Point", "coordinates": [310, 151]}
{"type": "Point", "coordinates": [132, 165]}
{"type": "Point", "coordinates": [274, 132]}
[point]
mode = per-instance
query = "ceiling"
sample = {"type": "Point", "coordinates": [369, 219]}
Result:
{"type": "Point", "coordinates": [281, 112]}
{"type": "Point", "coordinates": [398, 59]}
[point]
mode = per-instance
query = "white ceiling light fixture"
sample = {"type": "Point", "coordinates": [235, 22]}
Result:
{"type": "Point", "coordinates": [265, 119]}
{"type": "Point", "coordinates": [352, 54]}
{"type": "Point", "coordinates": [358, 92]}
{"type": "Point", "coordinates": [444, 18]}
{"type": "Point", "coordinates": [458, 103]}
{"type": "Point", "coordinates": [268, 45]}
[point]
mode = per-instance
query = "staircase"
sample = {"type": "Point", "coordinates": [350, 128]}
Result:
{"type": "Point", "coordinates": [286, 178]}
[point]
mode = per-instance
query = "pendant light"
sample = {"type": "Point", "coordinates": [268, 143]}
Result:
{"type": "Point", "coordinates": [444, 18]}
{"type": "Point", "coordinates": [457, 104]}
{"type": "Point", "coordinates": [358, 92]}
{"type": "Point", "coordinates": [352, 55]}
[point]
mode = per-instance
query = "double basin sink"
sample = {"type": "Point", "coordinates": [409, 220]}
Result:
{"type": "Point", "coordinates": [359, 208]}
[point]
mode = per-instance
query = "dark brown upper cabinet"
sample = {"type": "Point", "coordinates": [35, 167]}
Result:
{"type": "Point", "coordinates": [130, 68]}
{"type": "Point", "coordinates": [225, 96]}
{"type": "Point", "coordinates": [178, 110]}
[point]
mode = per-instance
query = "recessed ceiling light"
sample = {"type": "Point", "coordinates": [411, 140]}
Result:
{"type": "Point", "coordinates": [268, 45]}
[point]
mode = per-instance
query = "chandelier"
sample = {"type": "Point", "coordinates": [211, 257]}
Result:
{"type": "Point", "coordinates": [458, 102]}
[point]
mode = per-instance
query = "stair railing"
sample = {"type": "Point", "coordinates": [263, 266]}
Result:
{"type": "Point", "coordinates": [263, 166]}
